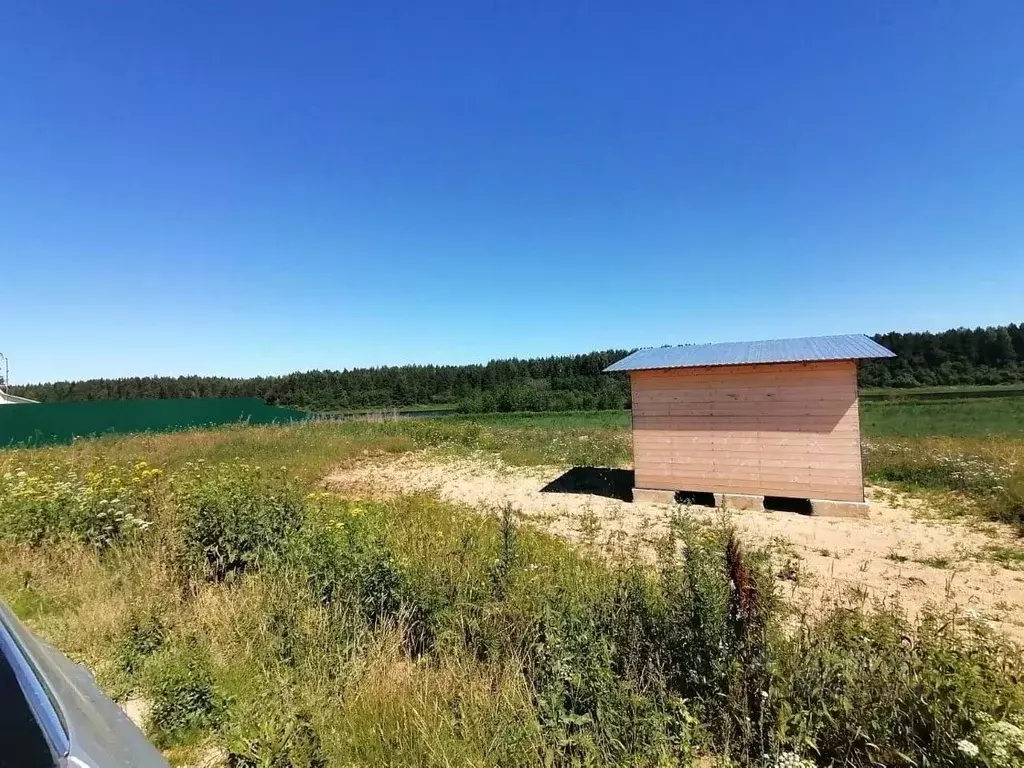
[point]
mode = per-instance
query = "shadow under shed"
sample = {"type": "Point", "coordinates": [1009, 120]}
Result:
{"type": "Point", "coordinates": [596, 481]}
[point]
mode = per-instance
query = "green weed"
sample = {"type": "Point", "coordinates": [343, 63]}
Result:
{"type": "Point", "coordinates": [935, 561]}
{"type": "Point", "coordinates": [107, 503]}
{"type": "Point", "coordinates": [269, 737]}
{"type": "Point", "coordinates": [143, 635]}
{"type": "Point", "coordinates": [838, 663]}
{"type": "Point", "coordinates": [1007, 556]}
{"type": "Point", "coordinates": [180, 687]}
{"type": "Point", "coordinates": [234, 517]}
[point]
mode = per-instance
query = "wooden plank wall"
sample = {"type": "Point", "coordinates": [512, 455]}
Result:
{"type": "Point", "coordinates": [785, 429]}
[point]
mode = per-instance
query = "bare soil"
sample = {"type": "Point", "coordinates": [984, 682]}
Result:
{"type": "Point", "coordinates": [900, 553]}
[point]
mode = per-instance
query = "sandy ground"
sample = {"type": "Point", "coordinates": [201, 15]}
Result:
{"type": "Point", "coordinates": [831, 557]}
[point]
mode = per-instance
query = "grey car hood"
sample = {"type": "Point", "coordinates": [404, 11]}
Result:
{"type": "Point", "coordinates": [99, 734]}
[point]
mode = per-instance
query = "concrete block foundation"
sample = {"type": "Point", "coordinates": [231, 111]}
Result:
{"type": "Point", "coordinates": [753, 503]}
{"type": "Point", "coordinates": [826, 508]}
{"type": "Point", "coordinates": [654, 496]}
{"type": "Point", "coordinates": [740, 501]}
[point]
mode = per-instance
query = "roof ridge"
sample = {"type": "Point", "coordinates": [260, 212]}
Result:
{"type": "Point", "coordinates": [763, 341]}
{"type": "Point", "coordinates": [851, 346]}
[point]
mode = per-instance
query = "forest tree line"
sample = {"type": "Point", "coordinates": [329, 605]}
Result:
{"type": "Point", "coordinates": [572, 382]}
{"type": "Point", "coordinates": [959, 356]}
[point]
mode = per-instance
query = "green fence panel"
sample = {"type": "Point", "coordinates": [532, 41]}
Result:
{"type": "Point", "coordinates": [48, 423]}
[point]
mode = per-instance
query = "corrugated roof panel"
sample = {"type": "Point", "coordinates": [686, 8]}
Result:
{"type": "Point", "coordinates": [849, 347]}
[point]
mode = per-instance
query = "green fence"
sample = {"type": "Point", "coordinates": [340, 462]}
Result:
{"type": "Point", "coordinates": [47, 423]}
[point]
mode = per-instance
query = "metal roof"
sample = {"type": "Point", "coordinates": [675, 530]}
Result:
{"type": "Point", "coordinates": [6, 399]}
{"type": "Point", "coordinates": [850, 347]}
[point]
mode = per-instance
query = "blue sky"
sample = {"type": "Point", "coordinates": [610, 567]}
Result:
{"type": "Point", "coordinates": [251, 187]}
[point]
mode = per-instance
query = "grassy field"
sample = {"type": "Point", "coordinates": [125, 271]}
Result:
{"type": "Point", "coordinates": [957, 418]}
{"type": "Point", "coordinates": [442, 407]}
{"type": "Point", "coordinates": [963, 391]}
{"type": "Point", "coordinates": [553, 420]}
{"type": "Point", "coordinates": [952, 418]}
{"type": "Point", "coordinates": [966, 389]}
{"type": "Point", "coordinates": [207, 573]}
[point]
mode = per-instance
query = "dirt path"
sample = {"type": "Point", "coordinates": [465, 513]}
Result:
{"type": "Point", "coordinates": [895, 554]}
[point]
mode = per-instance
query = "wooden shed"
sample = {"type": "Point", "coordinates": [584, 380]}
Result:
{"type": "Point", "coordinates": [750, 420]}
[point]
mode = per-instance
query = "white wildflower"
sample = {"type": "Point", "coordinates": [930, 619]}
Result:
{"type": "Point", "coordinates": [969, 748]}
{"type": "Point", "coordinates": [788, 760]}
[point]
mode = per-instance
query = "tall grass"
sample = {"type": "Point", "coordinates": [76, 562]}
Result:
{"type": "Point", "coordinates": [899, 418]}
{"type": "Point", "coordinates": [981, 475]}
{"type": "Point", "coordinates": [288, 626]}
{"type": "Point", "coordinates": [553, 420]}
{"type": "Point", "coordinates": [309, 450]}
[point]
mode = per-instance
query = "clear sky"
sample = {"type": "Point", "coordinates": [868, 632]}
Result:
{"type": "Point", "coordinates": [260, 187]}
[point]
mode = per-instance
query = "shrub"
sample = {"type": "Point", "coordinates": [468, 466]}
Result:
{"type": "Point", "coordinates": [179, 684]}
{"type": "Point", "coordinates": [343, 555]}
{"type": "Point", "coordinates": [144, 634]}
{"type": "Point", "coordinates": [788, 760]}
{"type": "Point", "coordinates": [653, 667]}
{"type": "Point", "coordinates": [281, 736]}
{"type": "Point", "coordinates": [943, 467]}
{"type": "Point", "coordinates": [235, 517]}
{"type": "Point", "coordinates": [1000, 742]}
{"type": "Point", "coordinates": [704, 629]}
{"type": "Point", "coordinates": [346, 557]}
{"type": "Point", "coordinates": [590, 712]}
{"type": "Point", "coordinates": [871, 688]}
{"type": "Point", "coordinates": [109, 503]}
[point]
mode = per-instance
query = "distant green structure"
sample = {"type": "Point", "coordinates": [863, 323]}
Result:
{"type": "Point", "coordinates": [51, 423]}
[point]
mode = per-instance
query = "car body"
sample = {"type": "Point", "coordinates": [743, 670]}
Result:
{"type": "Point", "coordinates": [53, 714]}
